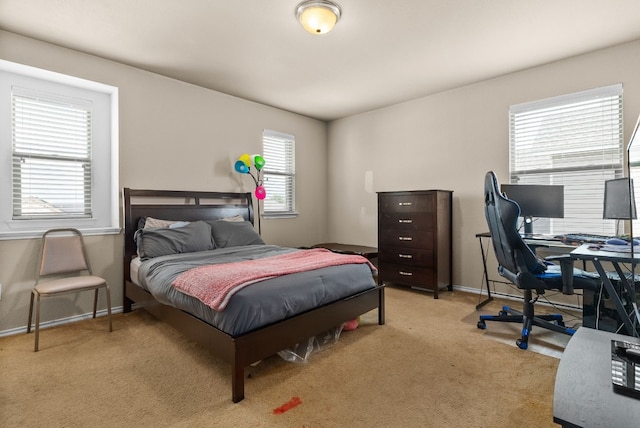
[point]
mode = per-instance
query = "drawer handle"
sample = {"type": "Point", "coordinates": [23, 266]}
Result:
{"type": "Point", "coordinates": [405, 204]}
{"type": "Point", "coordinates": [405, 221]}
{"type": "Point", "coordinates": [405, 273]}
{"type": "Point", "coordinates": [405, 238]}
{"type": "Point", "coordinates": [405, 256]}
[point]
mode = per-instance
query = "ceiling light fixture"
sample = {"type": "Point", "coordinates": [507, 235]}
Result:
{"type": "Point", "coordinates": [318, 16]}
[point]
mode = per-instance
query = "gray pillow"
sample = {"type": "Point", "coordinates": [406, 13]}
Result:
{"type": "Point", "coordinates": [156, 242]}
{"type": "Point", "coordinates": [234, 233]}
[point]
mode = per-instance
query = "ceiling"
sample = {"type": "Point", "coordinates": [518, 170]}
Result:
{"type": "Point", "coordinates": [380, 53]}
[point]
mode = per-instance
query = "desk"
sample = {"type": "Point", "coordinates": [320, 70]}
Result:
{"type": "Point", "coordinates": [583, 394]}
{"type": "Point", "coordinates": [587, 252]}
{"type": "Point", "coordinates": [533, 243]}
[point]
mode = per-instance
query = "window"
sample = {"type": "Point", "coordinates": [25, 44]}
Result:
{"type": "Point", "coordinates": [279, 174]}
{"type": "Point", "coordinates": [633, 151]}
{"type": "Point", "coordinates": [58, 148]}
{"type": "Point", "coordinates": [51, 156]}
{"type": "Point", "coordinates": [574, 140]}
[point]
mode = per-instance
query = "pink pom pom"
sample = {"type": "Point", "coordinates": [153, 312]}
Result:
{"type": "Point", "coordinates": [351, 325]}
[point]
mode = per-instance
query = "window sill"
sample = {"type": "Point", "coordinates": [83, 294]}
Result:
{"type": "Point", "coordinates": [30, 234]}
{"type": "Point", "coordinates": [268, 216]}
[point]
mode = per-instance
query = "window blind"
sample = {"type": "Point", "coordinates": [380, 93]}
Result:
{"type": "Point", "coordinates": [51, 156]}
{"type": "Point", "coordinates": [633, 151]}
{"type": "Point", "coordinates": [279, 172]}
{"type": "Point", "coordinates": [574, 140]}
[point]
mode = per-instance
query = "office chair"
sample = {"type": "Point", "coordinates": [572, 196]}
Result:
{"type": "Point", "coordinates": [519, 264]}
{"type": "Point", "coordinates": [63, 253]}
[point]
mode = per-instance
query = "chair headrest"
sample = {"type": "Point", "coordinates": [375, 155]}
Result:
{"type": "Point", "coordinates": [502, 217]}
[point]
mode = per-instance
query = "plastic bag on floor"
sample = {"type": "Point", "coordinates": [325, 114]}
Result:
{"type": "Point", "coordinates": [300, 352]}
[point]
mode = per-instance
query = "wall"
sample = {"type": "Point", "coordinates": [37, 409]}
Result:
{"type": "Point", "coordinates": [179, 136]}
{"type": "Point", "coordinates": [173, 135]}
{"type": "Point", "coordinates": [449, 141]}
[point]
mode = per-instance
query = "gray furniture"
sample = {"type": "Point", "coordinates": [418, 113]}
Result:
{"type": "Point", "coordinates": [623, 294]}
{"type": "Point", "coordinates": [583, 395]}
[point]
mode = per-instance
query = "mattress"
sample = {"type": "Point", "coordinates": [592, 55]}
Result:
{"type": "Point", "coordinates": [134, 266]}
{"type": "Point", "coordinates": [258, 304]}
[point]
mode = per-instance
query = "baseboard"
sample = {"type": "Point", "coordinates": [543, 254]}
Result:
{"type": "Point", "coordinates": [60, 321]}
{"type": "Point", "coordinates": [516, 297]}
{"type": "Point", "coordinates": [103, 312]}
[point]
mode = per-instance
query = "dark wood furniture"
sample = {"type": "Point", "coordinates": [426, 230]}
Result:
{"type": "Point", "coordinates": [243, 350]}
{"type": "Point", "coordinates": [415, 239]}
{"type": "Point", "coordinates": [361, 250]}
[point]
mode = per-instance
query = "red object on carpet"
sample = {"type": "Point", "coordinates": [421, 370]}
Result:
{"type": "Point", "coordinates": [295, 401]}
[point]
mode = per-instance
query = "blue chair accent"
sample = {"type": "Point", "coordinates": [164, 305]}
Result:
{"type": "Point", "coordinates": [519, 264]}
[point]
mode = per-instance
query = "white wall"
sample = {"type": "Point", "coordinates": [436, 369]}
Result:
{"type": "Point", "coordinates": [173, 135]}
{"type": "Point", "coordinates": [179, 136]}
{"type": "Point", "coordinates": [449, 141]}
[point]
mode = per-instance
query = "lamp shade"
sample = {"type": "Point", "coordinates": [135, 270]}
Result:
{"type": "Point", "coordinates": [318, 16]}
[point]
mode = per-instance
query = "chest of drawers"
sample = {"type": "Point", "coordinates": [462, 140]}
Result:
{"type": "Point", "coordinates": [415, 239]}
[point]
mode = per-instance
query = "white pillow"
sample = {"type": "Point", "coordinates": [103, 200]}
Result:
{"type": "Point", "coordinates": [155, 222]}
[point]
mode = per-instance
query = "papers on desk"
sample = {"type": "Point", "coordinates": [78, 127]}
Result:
{"type": "Point", "coordinates": [620, 248]}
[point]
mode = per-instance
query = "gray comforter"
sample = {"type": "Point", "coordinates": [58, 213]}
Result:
{"type": "Point", "coordinates": [258, 304]}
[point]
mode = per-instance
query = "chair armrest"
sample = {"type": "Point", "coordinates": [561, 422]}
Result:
{"type": "Point", "coordinates": [566, 269]}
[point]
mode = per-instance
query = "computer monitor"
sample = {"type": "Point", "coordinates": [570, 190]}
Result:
{"type": "Point", "coordinates": [536, 200]}
{"type": "Point", "coordinates": [617, 203]}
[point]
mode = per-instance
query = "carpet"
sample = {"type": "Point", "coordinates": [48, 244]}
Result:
{"type": "Point", "coordinates": [429, 366]}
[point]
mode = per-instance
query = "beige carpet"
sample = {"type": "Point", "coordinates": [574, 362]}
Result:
{"type": "Point", "coordinates": [429, 366]}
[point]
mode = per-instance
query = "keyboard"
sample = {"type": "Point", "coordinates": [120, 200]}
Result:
{"type": "Point", "coordinates": [583, 238]}
{"type": "Point", "coordinates": [625, 368]}
{"type": "Point", "coordinates": [539, 237]}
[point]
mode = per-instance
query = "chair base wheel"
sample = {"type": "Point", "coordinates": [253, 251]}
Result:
{"type": "Point", "coordinates": [482, 325]}
{"type": "Point", "coordinates": [521, 344]}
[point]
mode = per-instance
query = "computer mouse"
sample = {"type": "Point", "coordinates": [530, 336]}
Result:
{"type": "Point", "coordinates": [616, 241]}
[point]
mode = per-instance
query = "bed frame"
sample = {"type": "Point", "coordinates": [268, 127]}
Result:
{"type": "Point", "coordinates": [246, 349]}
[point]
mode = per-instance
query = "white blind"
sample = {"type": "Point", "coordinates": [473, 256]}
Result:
{"type": "Point", "coordinates": [279, 172]}
{"type": "Point", "coordinates": [575, 140]}
{"type": "Point", "coordinates": [51, 156]}
{"type": "Point", "coordinates": [633, 151]}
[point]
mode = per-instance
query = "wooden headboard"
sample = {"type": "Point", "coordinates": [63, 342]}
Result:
{"type": "Point", "coordinates": [178, 205]}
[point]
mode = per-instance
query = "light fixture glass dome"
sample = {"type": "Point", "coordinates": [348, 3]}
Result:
{"type": "Point", "coordinates": [318, 16]}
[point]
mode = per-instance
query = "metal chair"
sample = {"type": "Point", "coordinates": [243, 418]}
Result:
{"type": "Point", "coordinates": [63, 253]}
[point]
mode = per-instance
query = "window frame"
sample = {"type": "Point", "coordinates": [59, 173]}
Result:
{"type": "Point", "coordinates": [563, 147]}
{"type": "Point", "coordinates": [285, 168]}
{"type": "Point", "coordinates": [633, 166]}
{"type": "Point", "coordinates": [104, 183]}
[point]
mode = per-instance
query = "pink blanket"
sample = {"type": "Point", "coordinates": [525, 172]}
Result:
{"type": "Point", "coordinates": [215, 284]}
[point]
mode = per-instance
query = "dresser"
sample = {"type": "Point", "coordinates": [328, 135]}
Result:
{"type": "Point", "coordinates": [415, 239]}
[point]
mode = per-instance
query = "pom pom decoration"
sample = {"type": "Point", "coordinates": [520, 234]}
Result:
{"type": "Point", "coordinates": [351, 324]}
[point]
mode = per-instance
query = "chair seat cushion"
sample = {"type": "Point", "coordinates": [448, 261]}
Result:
{"type": "Point", "coordinates": [581, 279]}
{"type": "Point", "coordinates": [63, 285]}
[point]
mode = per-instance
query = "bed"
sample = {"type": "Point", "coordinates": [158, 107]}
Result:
{"type": "Point", "coordinates": [254, 341]}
